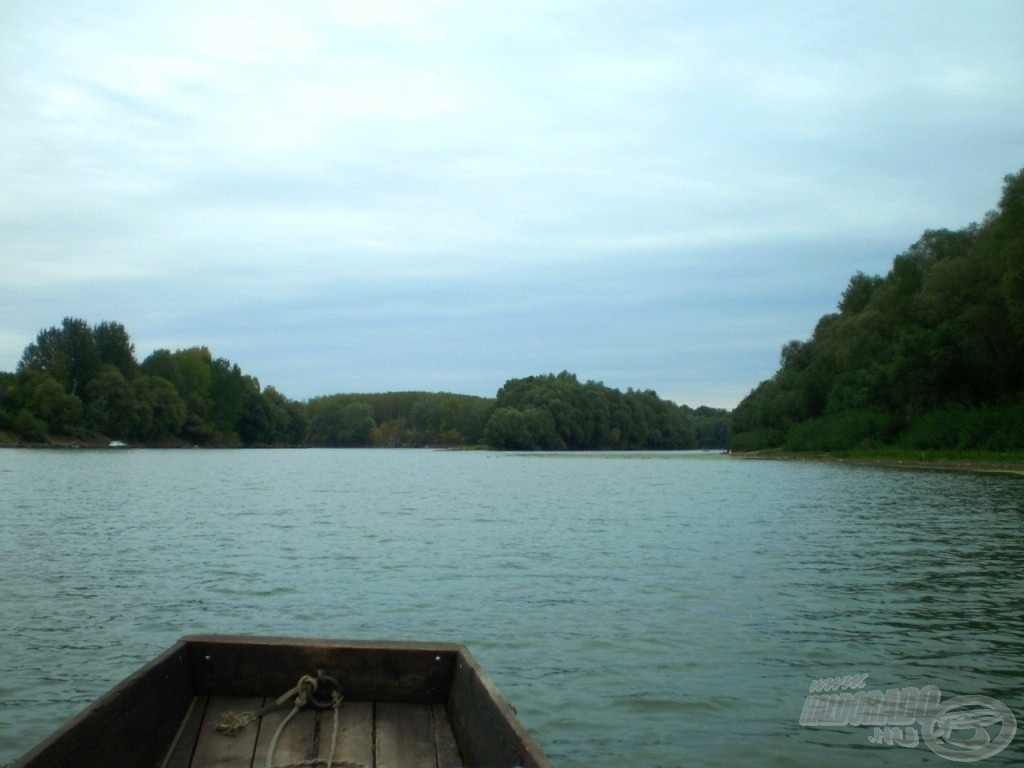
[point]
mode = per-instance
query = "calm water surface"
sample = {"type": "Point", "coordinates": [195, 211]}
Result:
{"type": "Point", "coordinates": [647, 610]}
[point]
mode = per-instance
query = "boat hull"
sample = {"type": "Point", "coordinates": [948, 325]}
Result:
{"type": "Point", "coordinates": [404, 704]}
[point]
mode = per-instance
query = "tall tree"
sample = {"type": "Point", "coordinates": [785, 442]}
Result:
{"type": "Point", "coordinates": [69, 354]}
{"type": "Point", "coordinates": [112, 406]}
{"type": "Point", "coordinates": [116, 348]}
{"type": "Point", "coordinates": [160, 411]}
{"type": "Point", "coordinates": [61, 411]}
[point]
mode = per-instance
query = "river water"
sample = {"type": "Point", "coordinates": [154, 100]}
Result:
{"type": "Point", "coordinates": [637, 609]}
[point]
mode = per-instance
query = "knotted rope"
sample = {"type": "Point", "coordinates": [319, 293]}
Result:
{"type": "Point", "coordinates": [302, 693]}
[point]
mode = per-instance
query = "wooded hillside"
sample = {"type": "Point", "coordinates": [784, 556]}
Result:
{"type": "Point", "coordinates": [930, 356]}
{"type": "Point", "coordinates": [84, 383]}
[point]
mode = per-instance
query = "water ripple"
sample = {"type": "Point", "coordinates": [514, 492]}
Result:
{"type": "Point", "coordinates": [636, 612]}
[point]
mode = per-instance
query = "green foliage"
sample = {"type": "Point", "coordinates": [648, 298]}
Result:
{"type": "Point", "coordinates": [959, 427]}
{"type": "Point", "coordinates": [76, 380]}
{"type": "Point", "coordinates": [164, 364]}
{"type": "Point", "coordinates": [557, 412]}
{"type": "Point", "coordinates": [710, 427]}
{"type": "Point", "coordinates": [61, 411]}
{"type": "Point", "coordinates": [228, 391]}
{"type": "Point", "coordinates": [858, 293]}
{"type": "Point", "coordinates": [68, 354]}
{"type": "Point", "coordinates": [28, 427]}
{"type": "Point", "coordinates": [159, 410]}
{"type": "Point", "coordinates": [255, 424]}
{"type": "Point", "coordinates": [399, 419]}
{"type": "Point", "coordinates": [855, 428]}
{"type": "Point", "coordinates": [112, 404]}
{"type": "Point", "coordinates": [115, 348]}
{"type": "Point", "coordinates": [337, 423]}
{"type": "Point", "coordinates": [929, 356]}
{"type": "Point", "coordinates": [288, 421]}
{"type": "Point", "coordinates": [507, 428]}
{"type": "Point", "coordinates": [193, 374]}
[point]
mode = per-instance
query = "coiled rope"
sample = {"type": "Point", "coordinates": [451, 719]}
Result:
{"type": "Point", "coordinates": [302, 693]}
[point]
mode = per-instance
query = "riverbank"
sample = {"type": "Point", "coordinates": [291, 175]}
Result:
{"type": "Point", "coordinates": [10, 440]}
{"type": "Point", "coordinates": [1008, 463]}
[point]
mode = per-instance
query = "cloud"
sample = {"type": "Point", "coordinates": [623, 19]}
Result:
{"type": "Point", "coordinates": [448, 194]}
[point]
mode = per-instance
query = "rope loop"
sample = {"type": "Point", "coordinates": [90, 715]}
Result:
{"type": "Point", "coordinates": [323, 679]}
{"type": "Point", "coordinates": [303, 693]}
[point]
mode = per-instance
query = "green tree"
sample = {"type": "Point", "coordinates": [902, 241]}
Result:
{"type": "Point", "coordinates": [68, 354]}
{"type": "Point", "coordinates": [288, 416]}
{"type": "Point", "coordinates": [228, 390]}
{"type": "Point", "coordinates": [337, 423]}
{"type": "Point", "coordinates": [28, 427]}
{"type": "Point", "coordinates": [112, 407]}
{"type": "Point", "coordinates": [711, 427]}
{"type": "Point", "coordinates": [159, 409]}
{"type": "Point", "coordinates": [356, 424]}
{"type": "Point", "coordinates": [858, 293]}
{"type": "Point", "coordinates": [162, 363]}
{"type": "Point", "coordinates": [557, 412]}
{"type": "Point", "coordinates": [10, 400]}
{"type": "Point", "coordinates": [115, 348]}
{"type": "Point", "coordinates": [507, 428]}
{"type": "Point", "coordinates": [256, 422]}
{"type": "Point", "coordinates": [62, 412]}
{"type": "Point", "coordinates": [930, 352]}
{"type": "Point", "coordinates": [195, 365]}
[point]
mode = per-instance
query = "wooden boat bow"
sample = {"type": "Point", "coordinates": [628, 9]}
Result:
{"type": "Point", "coordinates": [398, 705]}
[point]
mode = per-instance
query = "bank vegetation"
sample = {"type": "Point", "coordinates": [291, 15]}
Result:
{"type": "Point", "coordinates": [929, 357]}
{"type": "Point", "coordinates": [81, 383]}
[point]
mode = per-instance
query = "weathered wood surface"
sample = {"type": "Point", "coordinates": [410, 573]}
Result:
{"type": "Point", "coordinates": [217, 750]}
{"type": "Point", "coordinates": [296, 743]}
{"type": "Point", "coordinates": [405, 736]}
{"type": "Point", "coordinates": [355, 739]}
{"type": "Point", "coordinates": [408, 672]}
{"type": "Point", "coordinates": [447, 748]}
{"type": "Point", "coordinates": [405, 705]}
{"type": "Point", "coordinates": [131, 725]}
{"type": "Point", "coordinates": [383, 735]}
{"type": "Point", "coordinates": [180, 753]}
{"type": "Point", "coordinates": [485, 726]}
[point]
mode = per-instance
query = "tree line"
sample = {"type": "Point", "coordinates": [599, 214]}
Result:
{"type": "Point", "coordinates": [557, 412]}
{"type": "Point", "coordinates": [84, 382]}
{"type": "Point", "coordinates": [930, 356]}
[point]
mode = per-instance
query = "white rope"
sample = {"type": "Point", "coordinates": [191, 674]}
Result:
{"type": "Point", "coordinates": [233, 723]}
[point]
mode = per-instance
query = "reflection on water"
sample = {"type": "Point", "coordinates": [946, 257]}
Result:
{"type": "Point", "coordinates": [637, 610]}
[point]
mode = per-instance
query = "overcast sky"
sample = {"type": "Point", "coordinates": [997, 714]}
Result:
{"type": "Point", "coordinates": [374, 195]}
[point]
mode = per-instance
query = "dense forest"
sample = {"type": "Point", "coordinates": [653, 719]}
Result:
{"type": "Point", "coordinates": [558, 413]}
{"type": "Point", "coordinates": [84, 383]}
{"type": "Point", "coordinates": [930, 356]}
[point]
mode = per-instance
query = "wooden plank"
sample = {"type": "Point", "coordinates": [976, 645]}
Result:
{"type": "Point", "coordinates": [405, 736]}
{"type": "Point", "coordinates": [154, 715]}
{"type": "Point", "coordinates": [297, 741]}
{"type": "Point", "coordinates": [219, 750]}
{"type": "Point", "coordinates": [366, 671]}
{"type": "Point", "coordinates": [486, 729]}
{"type": "Point", "coordinates": [131, 726]}
{"type": "Point", "coordinates": [444, 739]}
{"type": "Point", "coordinates": [180, 753]}
{"type": "Point", "coordinates": [355, 733]}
